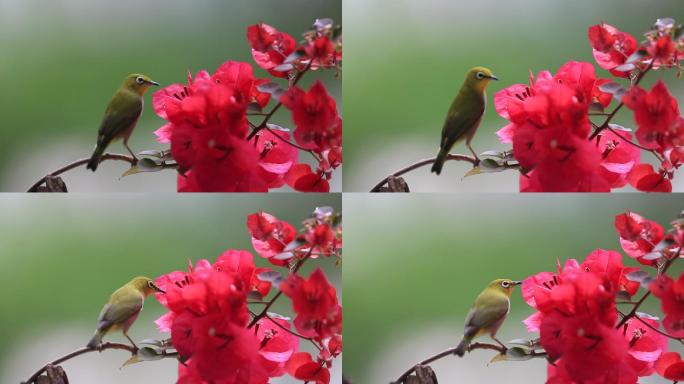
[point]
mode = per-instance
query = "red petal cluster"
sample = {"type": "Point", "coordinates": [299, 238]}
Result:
{"type": "Point", "coordinates": [639, 236]}
{"type": "Point", "coordinates": [208, 322]}
{"type": "Point", "coordinates": [270, 236]}
{"type": "Point", "coordinates": [318, 128]}
{"type": "Point", "coordinates": [549, 128]}
{"type": "Point", "coordinates": [207, 130]}
{"type": "Point", "coordinates": [670, 366]}
{"type": "Point", "coordinates": [660, 127]}
{"type": "Point", "coordinates": [671, 295]}
{"type": "Point", "coordinates": [620, 53]}
{"type": "Point", "coordinates": [277, 52]}
{"type": "Point", "coordinates": [576, 318]}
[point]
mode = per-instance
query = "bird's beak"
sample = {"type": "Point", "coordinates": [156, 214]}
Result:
{"type": "Point", "coordinates": [492, 77]}
{"type": "Point", "coordinates": [159, 289]}
{"type": "Point", "coordinates": [516, 282]}
{"type": "Point", "coordinates": [152, 83]}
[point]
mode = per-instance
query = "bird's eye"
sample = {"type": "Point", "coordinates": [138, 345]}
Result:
{"type": "Point", "coordinates": [505, 284]}
{"type": "Point", "coordinates": [479, 75]}
{"type": "Point", "coordinates": [139, 80]}
{"type": "Point", "coordinates": [150, 284]}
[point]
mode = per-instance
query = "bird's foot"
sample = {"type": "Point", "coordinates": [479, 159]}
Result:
{"type": "Point", "coordinates": [476, 162]}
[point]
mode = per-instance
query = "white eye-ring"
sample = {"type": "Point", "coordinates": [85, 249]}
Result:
{"type": "Point", "coordinates": [139, 80]}
{"type": "Point", "coordinates": [505, 284]}
{"type": "Point", "coordinates": [480, 75]}
{"type": "Point", "coordinates": [149, 283]}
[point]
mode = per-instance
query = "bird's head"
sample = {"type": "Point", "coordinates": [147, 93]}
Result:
{"type": "Point", "coordinates": [504, 286]}
{"type": "Point", "coordinates": [138, 83]}
{"type": "Point", "coordinates": [478, 78]}
{"type": "Point", "coordinates": [145, 285]}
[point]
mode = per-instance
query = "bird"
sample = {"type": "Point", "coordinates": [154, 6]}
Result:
{"type": "Point", "coordinates": [123, 308]}
{"type": "Point", "coordinates": [488, 313]}
{"type": "Point", "coordinates": [121, 115]}
{"type": "Point", "coordinates": [465, 114]}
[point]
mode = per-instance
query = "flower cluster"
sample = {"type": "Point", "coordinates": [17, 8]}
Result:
{"type": "Point", "coordinates": [577, 310]}
{"type": "Point", "coordinates": [560, 149]}
{"type": "Point", "coordinates": [221, 340]}
{"type": "Point", "coordinates": [218, 149]}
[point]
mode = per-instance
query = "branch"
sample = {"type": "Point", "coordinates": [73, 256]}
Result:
{"type": "Point", "coordinates": [615, 111]}
{"type": "Point", "coordinates": [270, 114]}
{"type": "Point", "coordinates": [424, 162]}
{"type": "Point", "coordinates": [78, 163]}
{"type": "Point", "coordinates": [452, 351]}
{"type": "Point", "coordinates": [269, 304]}
{"type": "Point", "coordinates": [634, 310]}
{"type": "Point", "coordinates": [84, 350]}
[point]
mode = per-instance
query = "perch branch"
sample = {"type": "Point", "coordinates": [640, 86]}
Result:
{"type": "Point", "coordinates": [424, 162]}
{"type": "Point", "coordinates": [84, 350]}
{"type": "Point", "coordinates": [78, 163]}
{"type": "Point", "coordinates": [452, 351]}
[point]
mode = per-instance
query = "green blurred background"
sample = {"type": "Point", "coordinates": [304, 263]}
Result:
{"type": "Point", "coordinates": [63, 256]}
{"type": "Point", "coordinates": [62, 61]}
{"type": "Point", "coordinates": [415, 263]}
{"type": "Point", "coordinates": [405, 61]}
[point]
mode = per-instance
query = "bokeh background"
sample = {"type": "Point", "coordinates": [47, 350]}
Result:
{"type": "Point", "coordinates": [63, 256]}
{"type": "Point", "coordinates": [405, 61]}
{"type": "Point", "coordinates": [415, 263]}
{"type": "Point", "coordinates": [62, 60]}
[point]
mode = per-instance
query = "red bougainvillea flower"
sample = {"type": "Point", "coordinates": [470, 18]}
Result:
{"type": "Point", "coordinates": [671, 295]}
{"type": "Point", "coordinates": [611, 47]}
{"type": "Point", "coordinates": [319, 315]}
{"type": "Point", "coordinates": [644, 178]}
{"type": "Point", "coordinates": [277, 345]}
{"type": "Point", "coordinates": [270, 236]}
{"type": "Point", "coordinates": [270, 47]}
{"type": "Point", "coordinates": [662, 48]}
{"type": "Point", "coordinates": [576, 319]}
{"type": "Point", "coordinates": [208, 317]}
{"type": "Point", "coordinates": [645, 344]}
{"type": "Point", "coordinates": [657, 116]}
{"type": "Point", "coordinates": [549, 128]}
{"type": "Point", "coordinates": [301, 366]}
{"type": "Point", "coordinates": [207, 130]}
{"type": "Point", "coordinates": [319, 126]}
{"type": "Point", "coordinates": [670, 366]}
{"type": "Point", "coordinates": [618, 158]}
{"type": "Point", "coordinates": [301, 178]}
{"type": "Point", "coordinates": [638, 236]}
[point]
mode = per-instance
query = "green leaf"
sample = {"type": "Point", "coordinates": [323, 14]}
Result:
{"type": "Point", "coordinates": [635, 57]}
{"type": "Point", "coordinates": [276, 127]}
{"type": "Point", "coordinates": [623, 296]}
{"type": "Point", "coordinates": [149, 354]}
{"type": "Point", "coordinates": [323, 25]}
{"type": "Point", "coordinates": [254, 295]}
{"type": "Point", "coordinates": [619, 127]}
{"type": "Point", "coordinates": [151, 153]}
{"type": "Point", "coordinates": [595, 107]}
{"type": "Point", "coordinates": [497, 154]}
{"type": "Point", "coordinates": [613, 88]}
{"type": "Point", "coordinates": [254, 107]}
{"type": "Point", "coordinates": [272, 276]}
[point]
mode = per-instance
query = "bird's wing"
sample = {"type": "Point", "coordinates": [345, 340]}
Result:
{"type": "Point", "coordinates": [486, 314]}
{"type": "Point", "coordinates": [121, 113]}
{"type": "Point", "coordinates": [122, 305]}
{"type": "Point", "coordinates": [463, 116]}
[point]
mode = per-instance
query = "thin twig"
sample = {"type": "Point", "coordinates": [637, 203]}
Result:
{"type": "Point", "coordinates": [634, 310]}
{"type": "Point", "coordinates": [626, 140]}
{"type": "Point", "coordinates": [268, 306]}
{"type": "Point", "coordinates": [84, 350]}
{"type": "Point", "coordinates": [270, 114]}
{"type": "Point", "coordinates": [615, 111]}
{"type": "Point", "coordinates": [452, 351]}
{"type": "Point", "coordinates": [681, 340]}
{"type": "Point", "coordinates": [293, 332]}
{"type": "Point", "coordinates": [424, 162]}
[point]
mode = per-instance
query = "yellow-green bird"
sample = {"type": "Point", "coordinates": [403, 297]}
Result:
{"type": "Point", "coordinates": [123, 308]}
{"type": "Point", "coordinates": [121, 115]}
{"type": "Point", "coordinates": [488, 313]}
{"type": "Point", "coordinates": [464, 114]}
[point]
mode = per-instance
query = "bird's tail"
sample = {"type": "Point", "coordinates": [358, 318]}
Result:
{"type": "Point", "coordinates": [95, 158]}
{"type": "Point", "coordinates": [96, 340]}
{"type": "Point", "coordinates": [462, 346]}
{"type": "Point", "coordinates": [439, 161]}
